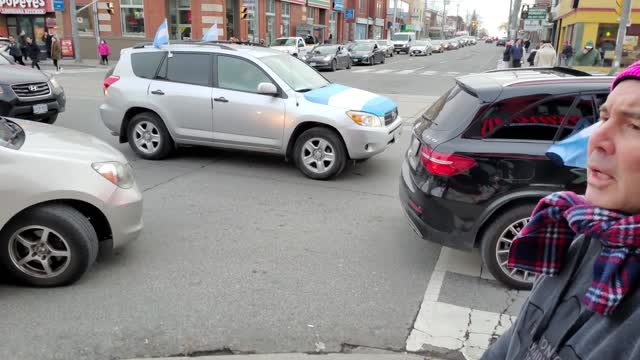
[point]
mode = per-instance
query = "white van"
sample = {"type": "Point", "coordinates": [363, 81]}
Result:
{"type": "Point", "coordinates": [402, 41]}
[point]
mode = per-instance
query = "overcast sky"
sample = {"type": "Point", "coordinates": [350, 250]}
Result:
{"type": "Point", "coordinates": [492, 12]}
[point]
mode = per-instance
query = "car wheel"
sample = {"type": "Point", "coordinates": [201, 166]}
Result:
{"type": "Point", "coordinates": [334, 65]}
{"type": "Point", "coordinates": [149, 137]}
{"type": "Point", "coordinates": [320, 154]}
{"type": "Point", "coordinates": [51, 119]}
{"type": "Point", "coordinates": [496, 242]}
{"type": "Point", "coordinates": [51, 245]}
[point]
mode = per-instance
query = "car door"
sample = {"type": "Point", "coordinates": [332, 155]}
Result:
{"type": "Point", "coordinates": [241, 116]}
{"type": "Point", "coordinates": [343, 57]}
{"type": "Point", "coordinates": [302, 49]}
{"type": "Point", "coordinates": [182, 92]}
{"type": "Point", "coordinates": [378, 53]}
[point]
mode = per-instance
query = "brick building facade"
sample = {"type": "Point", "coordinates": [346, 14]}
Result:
{"type": "Point", "coordinates": [124, 23]}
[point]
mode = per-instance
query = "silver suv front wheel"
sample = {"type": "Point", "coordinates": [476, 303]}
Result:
{"type": "Point", "coordinates": [149, 137]}
{"type": "Point", "coordinates": [320, 154]}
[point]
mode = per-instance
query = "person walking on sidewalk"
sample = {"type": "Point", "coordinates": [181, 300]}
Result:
{"type": "Point", "coordinates": [586, 304]}
{"type": "Point", "coordinates": [15, 51]}
{"type": "Point", "coordinates": [33, 51]}
{"type": "Point", "coordinates": [56, 53]}
{"type": "Point", "coordinates": [517, 52]}
{"type": "Point", "coordinates": [588, 57]}
{"type": "Point", "coordinates": [103, 50]}
{"type": "Point", "coordinates": [567, 53]}
{"type": "Point", "coordinates": [546, 56]}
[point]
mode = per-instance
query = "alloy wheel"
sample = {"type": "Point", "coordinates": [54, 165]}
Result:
{"type": "Point", "coordinates": [39, 251]}
{"type": "Point", "coordinates": [503, 245]}
{"type": "Point", "coordinates": [147, 137]}
{"type": "Point", "coordinates": [318, 155]}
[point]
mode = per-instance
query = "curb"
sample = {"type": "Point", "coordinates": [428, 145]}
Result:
{"type": "Point", "coordinates": [302, 356]}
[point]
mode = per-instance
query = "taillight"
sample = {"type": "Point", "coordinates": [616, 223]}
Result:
{"type": "Point", "coordinates": [444, 164]}
{"type": "Point", "coordinates": [108, 82]}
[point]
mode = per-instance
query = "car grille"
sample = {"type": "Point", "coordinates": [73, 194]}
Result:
{"type": "Point", "coordinates": [390, 117]}
{"type": "Point", "coordinates": [31, 89]}
{"type": "Point", "coordinates": [397, 45]}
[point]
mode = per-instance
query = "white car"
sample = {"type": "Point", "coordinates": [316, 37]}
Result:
{"type": "Point", "coordinates": [65, 197]}
{"type": "Point", "coordinates": [421, 48]}
{"type": "Point", "coordinates": [296, 46]}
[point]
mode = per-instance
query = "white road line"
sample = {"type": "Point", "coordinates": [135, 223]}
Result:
{"type": "Point", "coordinates": [404, 72]}
{"type": "Point", "coordinates": [362, 70]}
{"type": "Point", "coordinates": [453, 73]}
{"type": "Point", "coordinates": [429, 72]}
{"type": "Point", "coordinates": [383, 71]}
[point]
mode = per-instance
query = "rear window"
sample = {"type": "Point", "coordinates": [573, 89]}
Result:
{"type": "Point", "coordinates": [145, 64]}
{"type": "Point", "coordinates": [451, 108]}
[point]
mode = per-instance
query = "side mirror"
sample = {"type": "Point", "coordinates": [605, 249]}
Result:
{"type": "Point", "coordinates": [300, 45]}
{"type": "Point", "coordinates": [266, 88]}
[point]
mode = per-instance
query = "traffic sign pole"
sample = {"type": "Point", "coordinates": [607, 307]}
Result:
{"type": "Point", "coordinates": [622, 32]}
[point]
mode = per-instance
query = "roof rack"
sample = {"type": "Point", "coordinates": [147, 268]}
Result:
{"type": "Point", "coordinates": [219, 44]}
{"type": "Point", "coordinates": [560, 69]}
{"type": "Point", "coordinates": [249, 43]}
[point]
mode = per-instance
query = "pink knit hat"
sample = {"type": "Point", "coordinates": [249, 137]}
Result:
{"type": "Point", "coordinates": [632, 72]}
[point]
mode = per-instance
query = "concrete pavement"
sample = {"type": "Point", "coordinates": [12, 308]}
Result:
{"type": "Point", "coordinates": [306, 357]}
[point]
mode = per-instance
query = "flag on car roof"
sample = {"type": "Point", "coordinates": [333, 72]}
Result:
{"type": "Point", "coordinates": [162, 35]}
{"type": "Point", "coordinates": [212, 34]}
{"type": "Point", "coordinates": [572, 151]}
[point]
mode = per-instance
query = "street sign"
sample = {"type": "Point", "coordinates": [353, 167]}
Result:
{"type": "Point", "coordinates": [58, 5]}
{"type": "Point", "coordinates": [532, 25]}
{"type": "Point", "coordinates": [537, 13]}
{"type": "Point", "coordinates": [349, 14]}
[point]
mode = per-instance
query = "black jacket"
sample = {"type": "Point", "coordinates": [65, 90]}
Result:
{"type": "Point", "coordinates": [33, 51]}
{"type": "Point", "coordinates": [506, 56]}
{"type": "Point", "coordinates": [14, 50]}
{"type": "Point", "coordinates": [578, 334]}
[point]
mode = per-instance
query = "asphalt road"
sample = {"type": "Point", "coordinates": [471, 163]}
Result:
{"type": "Point", "coordinates": [241, 252]}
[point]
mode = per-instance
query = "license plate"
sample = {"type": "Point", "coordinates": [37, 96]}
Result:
{"type": "Point", "coordinates": [40, 109]}
{"type": "Point", "coordinates": [313, 64]}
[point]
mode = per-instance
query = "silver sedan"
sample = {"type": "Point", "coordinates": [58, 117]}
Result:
{"type": "Point", "coordinates": [65, 196]}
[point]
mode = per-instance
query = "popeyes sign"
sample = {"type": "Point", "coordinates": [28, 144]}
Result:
{"type": "Point", "coordinates": [35, 7]}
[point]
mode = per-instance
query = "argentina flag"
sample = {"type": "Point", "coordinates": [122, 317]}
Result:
{"type": "Point", "coordinates": [162, 35]}
{"type": "Point", "coordinates": [212, 34]}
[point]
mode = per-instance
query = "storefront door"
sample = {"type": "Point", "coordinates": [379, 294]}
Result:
{"type": "Point", "coordinates": [361, 32]}
{"type": "Point", "coordinates": [180, 20]}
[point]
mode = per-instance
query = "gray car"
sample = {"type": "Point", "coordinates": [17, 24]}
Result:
{"type": "Point", "coordinates": [243, 97]}
{"type": "Point", "coordinates": [330, 57]}
{"type": "Point", "coordinates": [65, 196]}
{"type": "Point", "coordinates": [386, 46]}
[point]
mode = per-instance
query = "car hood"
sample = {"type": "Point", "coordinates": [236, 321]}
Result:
{"type": "Point", "coordinates": [349, 98]}
{"type": "Point", "coordinates": [400, 42]}
{"type": "Point", "coordinates": [361, 52]}
{"type": "Point", "coordinates": [56, 141]}
{"type": "Point", "coordinates": [418, 47]}
{"type": "Point", "coordinates": [319, 56]}
{"type": "Point", "coordinates": [10, 75]}
{"type": "Point", "coordinates": [284, 48]}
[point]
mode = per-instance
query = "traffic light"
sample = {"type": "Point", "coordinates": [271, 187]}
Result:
{"type": "Point", "coordinates": [244, 12]}
{"type": "Point", "coordinates": [110, 8]}
{"type": "Point", "coordinates": [525, 12]}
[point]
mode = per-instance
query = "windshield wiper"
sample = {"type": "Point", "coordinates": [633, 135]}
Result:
{"type": "Point", "coordinates": [303, 90]}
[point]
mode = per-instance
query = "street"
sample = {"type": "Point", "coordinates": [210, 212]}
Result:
{"type": "Point", "coordinates": [241, 253]}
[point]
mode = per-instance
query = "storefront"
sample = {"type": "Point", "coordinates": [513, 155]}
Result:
{"type": "Point", "coordinates": [27, 19]}
{"type": "Point", "coordinates": [378, 29]}
{"type": "Point", "coordinates": [361, 29]}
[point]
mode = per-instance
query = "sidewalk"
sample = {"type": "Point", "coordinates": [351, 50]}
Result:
{"type": "Point", "coordinates": [71, 64]}
{"type": "Point", "coordinates": [305, 357]}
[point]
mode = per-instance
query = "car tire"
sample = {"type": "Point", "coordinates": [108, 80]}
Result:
{"type": "Point", "coordinates": [51, 119]}
{"type": "Point", "coordinates": [334, 65]}
{"type": "Point", "coordinates": [328, 142]}
{"type": "Point", "coordinates": [495, 243]}
{"type": "Point", "coordinates": [159, 143]}
{"type": "Point", "coordinates": [69, 231]}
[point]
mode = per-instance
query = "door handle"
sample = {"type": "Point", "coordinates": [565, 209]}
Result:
{"type": "Point", "coordinates": [157, 92]}
{"type": "Point", "coordinates": [221, 99]}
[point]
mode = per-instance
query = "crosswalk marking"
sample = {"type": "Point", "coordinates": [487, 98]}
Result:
{"type": "Point", "coordinates": [411, 72]}
{"type": "Point", "coordinates": [452, 73]}
{"type": "Point", "coordinates": [383, 71]}
{"type": "Point", "coordinates": [404, 72]}
{"type": "Point", "coordinates": [362, 70]}
{"type": "Point", "coordinates": [429, 72]}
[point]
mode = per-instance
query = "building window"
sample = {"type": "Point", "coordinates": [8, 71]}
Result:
{"type": "Point", "coordinates": [332, 26]}
{"type": "Point", "coordinates": [271, 21]}
{"type": "Point", "coordinates": [85, 20]}
{"type": "Point", "coordinates": [180, 19]}
{"type": "Point", "coordinates": [132, 17]}
{"type": "Point", "coordinates": [378, 9]}
{"type": "Point", "coordinates": [310, 15]}
{"type": "Point", "coordinates": [286, 19]}
{"type": "Point", "coordinates": [361, 5]}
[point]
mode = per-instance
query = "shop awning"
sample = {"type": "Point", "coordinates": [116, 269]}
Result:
{"type": "Point", "coordinates": [300, 2]}
{"type": "Point", "coordinates": [324, 4]}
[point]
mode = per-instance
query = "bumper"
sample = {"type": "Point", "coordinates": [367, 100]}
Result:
{"type": "Point", "coordinates": [420, 207]}
{"type": "Point", "coordinates": [418, 52]}
{"type": "Point", "coordinates": [111, 118]}
{"type": "Point", "coordinates": [363, 142]}
{"type": "Point", "coordinates": [24, 109]}
{"type": "Point", "coordinates": [401, 49]}
{"type": "Point", "coordinates": [360, 60]}
{"type": "Point", "coordinates": [124, 213]}
{"type": "Point", "coordinates": [320, 65]}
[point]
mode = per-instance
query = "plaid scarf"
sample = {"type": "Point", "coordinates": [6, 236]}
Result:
{"type": "Point", "coordinates": [542, 245]}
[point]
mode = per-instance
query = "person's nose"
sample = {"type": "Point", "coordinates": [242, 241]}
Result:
{"type": "Point", "coordinates": [602, 138]}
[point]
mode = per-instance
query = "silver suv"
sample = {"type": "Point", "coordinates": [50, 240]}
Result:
{"type": "Point", "coordinates": [243, 97]}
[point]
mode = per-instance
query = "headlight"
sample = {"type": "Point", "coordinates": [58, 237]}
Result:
{"type": "Point", "coordinates": [365, 119]}
{"type": "Point", "coordinates": [327, 58]}
{"type": "Point", "coordinates": [54, 83]}
{"type": "Point", "coordinates": [115, 172]}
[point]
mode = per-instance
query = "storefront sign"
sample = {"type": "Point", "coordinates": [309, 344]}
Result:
{"type": "Point", "coordinates": [361, 21]}
{"type": "Point", "coordinates": [349, 14]}
{"type": "Point", "coordinates": [338, 5]}
{"type": "Point", "coordinates": [67, 47]}
{"type": "Point", "coordinates": [379, 22]}
{"type": "Point", "coordinates": [28, 7]}
{"type": "Point", "coordinates": [532, 25]}
{"type": "Point", "coordinates": [537, 13]}
{"type": "Point", "coordinates": [325, 4]}
{"type": "Point", "coordinates": [370, 21]}
{"type": "Point", "coordinates": [51, 22]}
{"type": "Point", "coordinates": [58, 5]}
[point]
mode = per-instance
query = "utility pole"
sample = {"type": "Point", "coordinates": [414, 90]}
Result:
{"type": "Point", "coordinates": [96, 27]}
{"type": "Point", "coordinates": [458, 17]}
{"type": "Point", "coordinates": [622, 32]}
{"type": "Point", "coordinates": [510, 15]}
{"type": "Point", "coordinates": [395, 15]}
{"type": "Point", "coordinates": [514, 19]}
{"type": "Point", "coordinates": [74, 31]}
{"type": "Point", "coordinates": [444, 19]}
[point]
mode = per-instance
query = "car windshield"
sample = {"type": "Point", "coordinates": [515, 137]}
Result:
{"type": "Point", "coordinates": [363, 47]}
{"type": "Point", "coordinates": [4, 60]}
{"type": "Point", "coordinates": [420, 43]}
{"type": "Point", "coordinates": [436, 42]}
{"type": "Point", "coordinates": [298, 75]}
{"type": "Point", "coordinates": [400, 37]}
{"type": "Point", "coordinates": [10, 134]}
{"type": "Point", "coordinates": [325, 50]}
{"type": "Point", "coordinates": [382, 42]}
{"type": "Point", "coordinates": [284, 42]}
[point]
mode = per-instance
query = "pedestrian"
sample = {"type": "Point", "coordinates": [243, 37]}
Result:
{"type": "Point", "coordinates": [546, 56]}
{"type": "Point", "coordinates": [330, 39]}
{"type": "Point", "coordinates": [527, 44]}
{"type": "Point", "coordinates": [23, 45]}
{"type": "Point", "coordinates": [56, 53]}
{"type": "Point", "coordinates": [506, 55]}
{"type": "Point", "coordinates": [586, 304]}
{"type": "Point", "coordinates": [588, 57]}
{"type": "Point", "coordinates": [15, 51]}
{"type": "Point", "coordinates": [33, 51]}
{"type": "Point", "coordinates": [47, 38]}
{"type": "Point", "coordinates": [567, 53]}
{"type": "Point", "coordinates": [517, 52]}
{"type": "Point", "coordinates": [532, 56]}
{"type": "Point", "coordinates": [104, 51]}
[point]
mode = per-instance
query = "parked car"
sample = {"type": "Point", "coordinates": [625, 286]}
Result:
{"type": "Point", "coordinates": [332, 57]}
{"type": "Point", "coordinates": [421, 48]}
{"type": "Point", "coordinates": [29, 94]}
{"type": "Point", "coordinates": [502, 42]}
{"type": "Point", "coordinates": [386, 46]}
{"type": "Point", "coordinates": [489, 40]}
{"type": "Point", "coordinates": [454, 45]}
{"type": "Point", "coordinates": [476, 165]}
{"type": "Point", "coordinates": [367, 53]}
{"type": "Point", "coordinates": [65, 197]}
{"type": "Point", "coordinates": [278, 105]}
{"type": "Point", "coordinates": [296, 46]}
{"type": "Point", "coordinates": [402, 41]}
{"type": "Point", "coordinates": [438, 46]}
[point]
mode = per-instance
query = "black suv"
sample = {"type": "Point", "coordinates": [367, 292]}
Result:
{"type": "Point", "coordinates": [476, 165]}
{"type": "Point", "coordinates": [29, 94]}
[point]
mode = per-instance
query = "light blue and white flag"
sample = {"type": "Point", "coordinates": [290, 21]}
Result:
{"type": "Point", "coordinates": [212, 34]}
{"type": "Point", "coordinates": [572, 151]}
{"type": "Point", "coordinates": [162, 35]}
